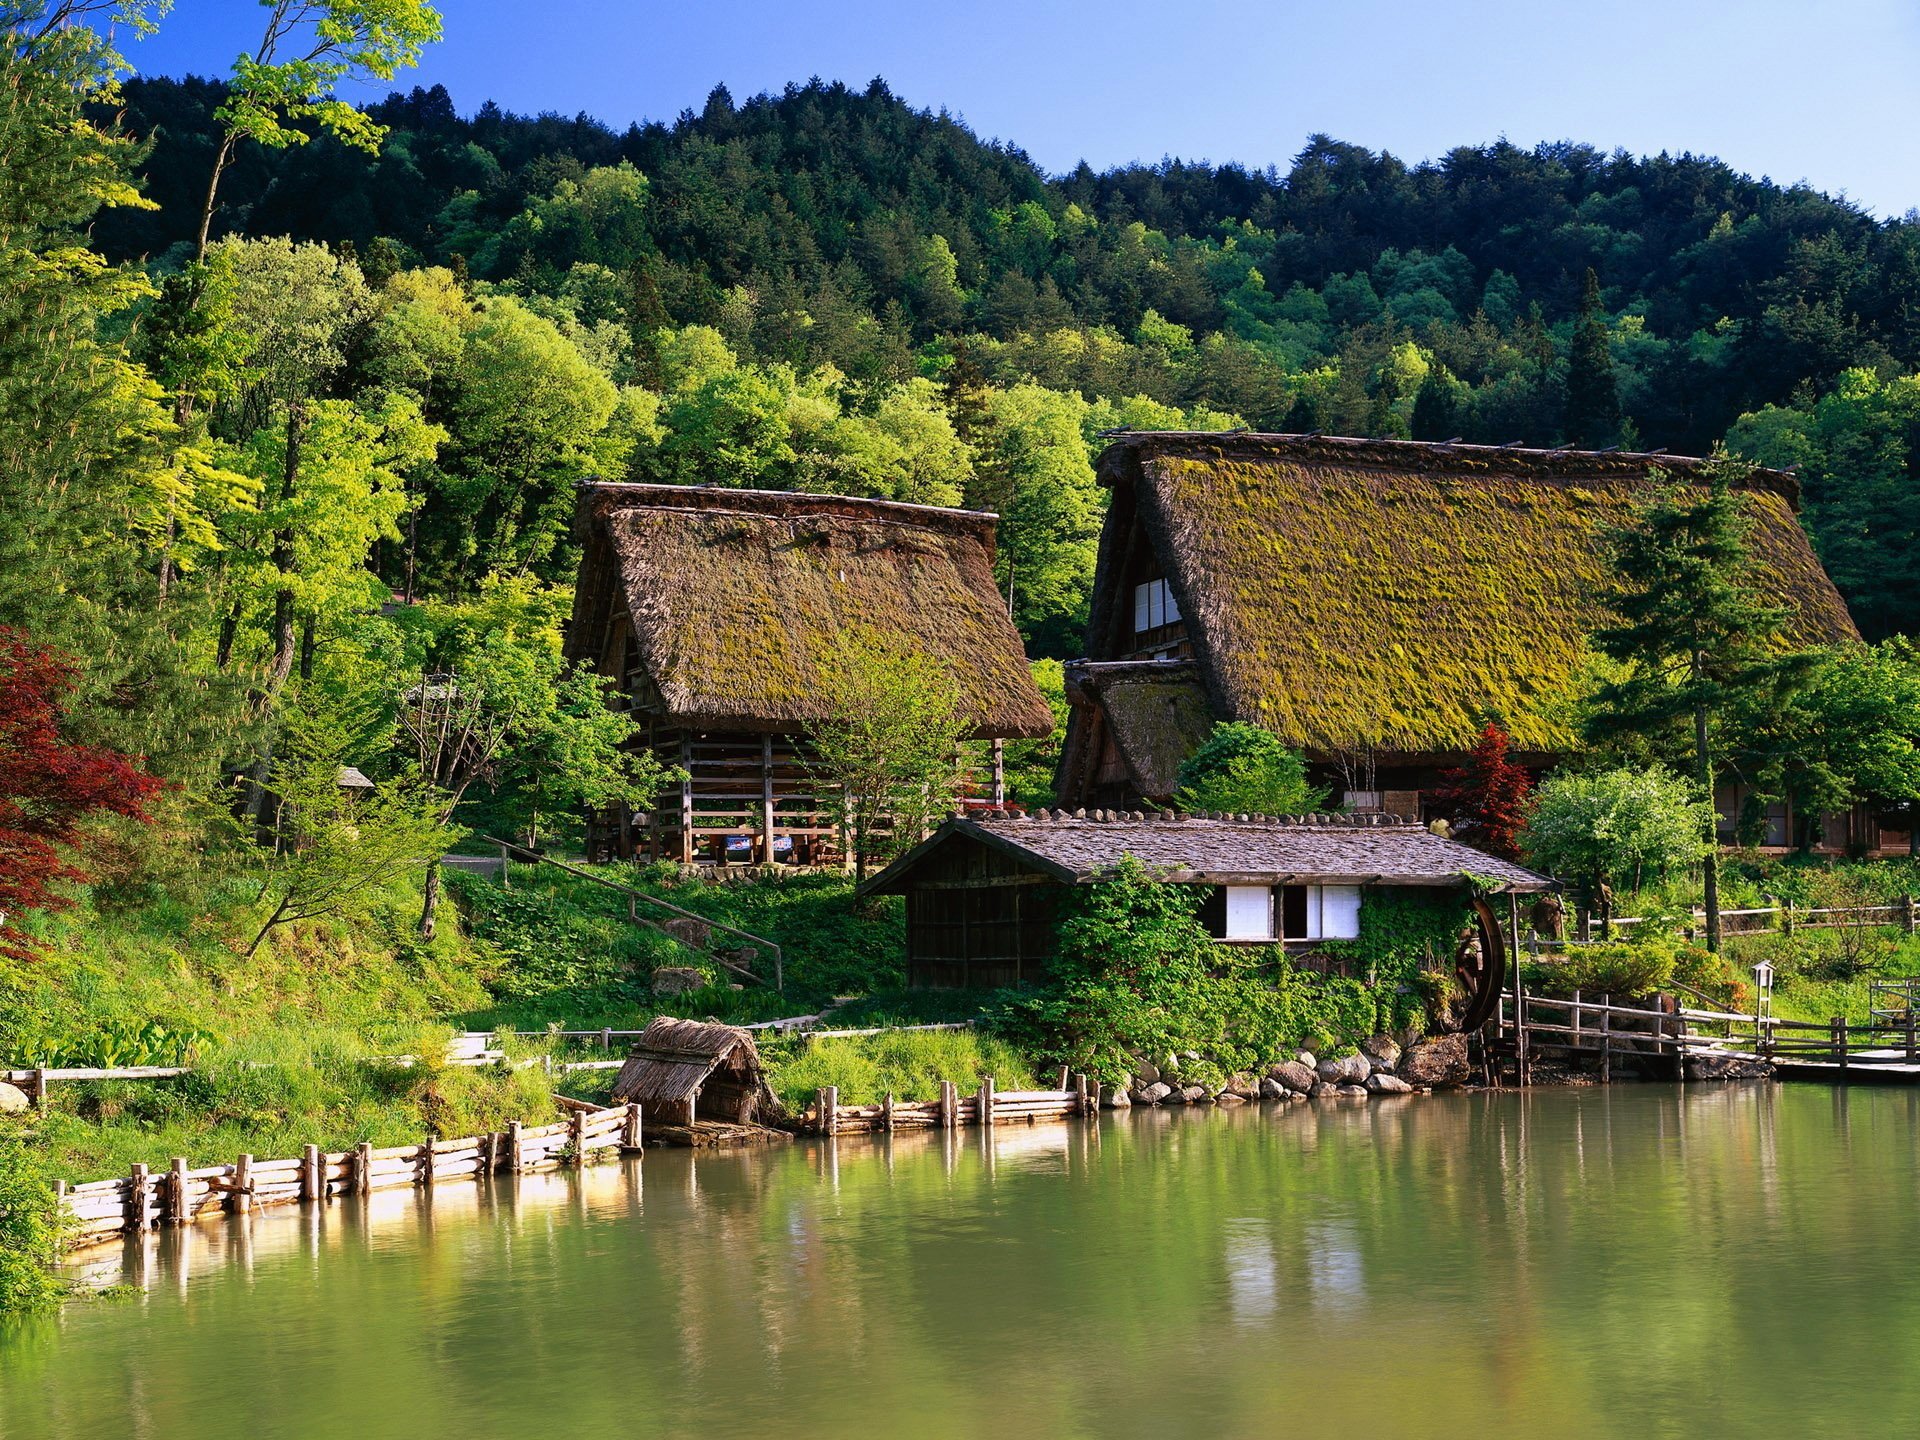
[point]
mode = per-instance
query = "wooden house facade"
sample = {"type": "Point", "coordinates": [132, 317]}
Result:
{"type": "Point", "coordinates": [983, 893]}
{"type": "Point", "coordinates": [1369, 601]}
{"type": "Point", "coordinates": [714, 612]}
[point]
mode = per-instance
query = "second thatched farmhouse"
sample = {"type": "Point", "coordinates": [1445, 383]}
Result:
{"type": "Point", "coordinates": [715, 613]}
{"type": "Point", "coordinates": [1370, 601]}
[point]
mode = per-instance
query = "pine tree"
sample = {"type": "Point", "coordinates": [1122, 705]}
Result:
{"type": "Point", "coordinates": [1696, 638]}
{"type": "Point", "coordinates": [1593, 399]}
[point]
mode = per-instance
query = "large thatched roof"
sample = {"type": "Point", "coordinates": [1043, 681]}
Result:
{"type": "Point", "coordinates": [736, 597]}
{"type": "Point", "coordinates": [1261, 850]}
{"type": "Point", "coordinates": [1377, 593]}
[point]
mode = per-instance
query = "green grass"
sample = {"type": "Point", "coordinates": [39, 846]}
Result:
{"type": "Point", "coordinates": [910, 1065]}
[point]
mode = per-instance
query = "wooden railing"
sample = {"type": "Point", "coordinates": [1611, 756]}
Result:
{"type": "Point", "coordinates": [144, 1199]}
{"type": "Point", "coordinates": [951, 1110]}
{"type": "Point", "coordinates": [1903, 914]}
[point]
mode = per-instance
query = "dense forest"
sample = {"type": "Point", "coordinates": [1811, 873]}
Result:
{"type": "Point", "coordinates": [835, 250]}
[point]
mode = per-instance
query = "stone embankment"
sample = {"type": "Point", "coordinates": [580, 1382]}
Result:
{"type": "Point", "coordinates": [1379, 1067]}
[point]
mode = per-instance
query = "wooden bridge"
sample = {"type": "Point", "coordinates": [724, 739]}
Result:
{"type": "Point", "coordinates": [1661, 1036]}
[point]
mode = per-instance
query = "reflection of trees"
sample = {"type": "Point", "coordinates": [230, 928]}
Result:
{"type": "Point", "coordinates": [1577, 1253]}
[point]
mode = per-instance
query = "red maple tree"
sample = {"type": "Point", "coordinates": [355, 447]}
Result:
{"type": "Point", "coordinates": [1487, 795]}
{"type": "Point", "coordinates": [49, 786]}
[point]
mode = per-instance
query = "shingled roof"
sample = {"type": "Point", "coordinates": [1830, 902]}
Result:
{"type": "Point", "coordinates": [736, 597]}
{"type": "Point", "coordinates": [1388, 594]}
{"type": "Point", "coordinates": [1224, 850]}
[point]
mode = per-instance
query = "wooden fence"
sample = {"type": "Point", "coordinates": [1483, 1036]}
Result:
{"type": "Point", "coordinates": [1903, 914]}
{"type": "Point", "coordinates": [986, 1106]}
{"type": "Point", "coordinates": [145, 1199]}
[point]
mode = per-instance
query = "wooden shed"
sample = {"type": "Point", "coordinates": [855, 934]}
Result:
{"type": "Point", "coordinates": [685, 1071]}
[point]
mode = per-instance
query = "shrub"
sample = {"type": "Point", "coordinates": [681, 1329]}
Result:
{"type": "Point", "coordinates": [29, 1227]}
{"type": "Point", "coordinates": [1616, 825]}
{"type": "Point", "coordinates": [1241, 767]}
{"type": "Point", "coordinates": [1623, 968]}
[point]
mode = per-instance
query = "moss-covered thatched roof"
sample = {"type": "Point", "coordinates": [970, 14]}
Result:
{"type": "Point", "coordinates": [1354, 593]}
{"type": "Point", "coordinates": [736, 599]}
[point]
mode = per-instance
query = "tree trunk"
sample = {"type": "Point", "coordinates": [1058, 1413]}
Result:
{"type": "Point", "coordinates": [430, 903]}
{"type": "Point", "coordinates": [1710, 866]}
{"type": "Point", "coordinates": [220, 162]}
{"type": "Point", "coordinates": [306, 648]}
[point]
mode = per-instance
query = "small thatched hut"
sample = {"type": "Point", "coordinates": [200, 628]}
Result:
{"type": "Point", "coordinates": [716, 614]}
{"type": "Point", "coordinates": [684, 1071]}
{"type": "Point", "coordinates": [1369, 601]}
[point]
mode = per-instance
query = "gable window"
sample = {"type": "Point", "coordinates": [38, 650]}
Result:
{"type": "Point", "coordinates": [1320, 912]}
{"type": "Point", "coordinates": [1154, 607]}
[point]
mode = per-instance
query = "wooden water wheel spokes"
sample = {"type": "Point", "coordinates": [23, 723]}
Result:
{"type": "Point", "coordinates": [1480, 966]}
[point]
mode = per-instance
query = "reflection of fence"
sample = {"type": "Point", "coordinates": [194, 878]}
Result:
{"type": "Point", "coordinates": [143, 1200]}
{"type": "Point", "coordinates": [986, 1106]}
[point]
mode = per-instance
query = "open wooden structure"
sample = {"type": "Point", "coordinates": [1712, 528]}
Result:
{"type": "Point", "coordinates": [983, 892]}
{"type": "Point", "coordinates": [682, 1072]}
{"type": "Point", "coordinates": [1370, 601]}
{"type": "Point", "coordinates": [715, 613]}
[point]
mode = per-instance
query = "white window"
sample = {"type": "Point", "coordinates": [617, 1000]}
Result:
{"type": "Point", "coordinates": [1363, 800]}
{"type": "Point", "coordinates": [1153, 607]}
{"type": "Point", "coordinates": [1320, 912]}
{"type": "Point", "coordinates": [1249, 912]}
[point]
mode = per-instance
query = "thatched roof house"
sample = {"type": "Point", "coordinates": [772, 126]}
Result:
{"type": "Point", "coordinates": [682, 1071]}
{"type": "Point", "coordinates": [716, 613]}
{"type": "Point", "coordinates": [1363, 598]}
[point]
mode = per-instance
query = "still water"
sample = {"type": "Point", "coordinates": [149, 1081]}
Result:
{"type": "Point", "coordinates": [1638, 1261]}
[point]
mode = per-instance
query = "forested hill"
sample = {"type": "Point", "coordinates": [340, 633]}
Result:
{"type": "Point", "coordinates": [1354, 293]}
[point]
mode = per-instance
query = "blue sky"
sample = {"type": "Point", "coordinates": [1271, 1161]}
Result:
{"type": "Point", "coordinates": [1826, 91]}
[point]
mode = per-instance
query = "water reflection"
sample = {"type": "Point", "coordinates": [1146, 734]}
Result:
{"type": "Point", "coordinates": [1611, 1257]}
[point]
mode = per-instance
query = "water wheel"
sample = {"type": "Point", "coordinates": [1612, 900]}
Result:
{"type": "Point", "coordinates": [1480, 968]}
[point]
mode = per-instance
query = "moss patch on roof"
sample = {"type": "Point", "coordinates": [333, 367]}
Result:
{"type": "Point", "coordinates": [1157, 723]}
{"type": "Point", "coordinates": [737, 600]}
{"type": "Point", "coordinates": [1352, 593]}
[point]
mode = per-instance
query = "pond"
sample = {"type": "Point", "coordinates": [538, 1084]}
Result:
{"type": "Point", "coordinates": [1639, 1260]}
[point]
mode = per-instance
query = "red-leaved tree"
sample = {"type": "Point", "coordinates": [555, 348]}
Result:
{"type": "Point", "coordinates": [1487, 795]}
{"type": "Point", "coordinates": [49, 786]}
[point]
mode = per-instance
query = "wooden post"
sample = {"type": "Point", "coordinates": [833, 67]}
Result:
{"type": "Point", "coordinates": [1838, 1026]}
{"type": "Point", "coordinates": [1061, 1083]}
{"type": "Point", "coordinates": [577, 1137]}
{"type": "Point", "coordinates": [886, 1113]}
{"type": "Point", "coordinates": [37, 1088]}
{"type": "Point", "coordinates": [505, 860]}
{"type": "Point", "coordinates": [240, 1198]}
{"type": "Point", "coordinates": [1606, 1040]}
{"type": "Point", "coordinates": [1909, 1030]}
{"type": "Point", "coordinates": [1909, 914]}
{"type": "Point", "coordinates": [1519, 1029]}
{"type": "Point", "coordinates": [426, 1158]}
{"type": "Point", "coordinates": [829, 1109]}
{"type": "Point", "coordinates": [986, 1099]}
{"type": "Point", "coordinates": [139, 1219]}
{"type": "Point", "coordinates": [177, 1192]}
{"type": "Point", "coordinates": [999, 771]}
{"type": "Point", "coordinates": [630, 1131]}
{"type": "Point", "coordinates": [686, 799]}
{"type": "Point", "coordinates": [949, 1105]}
{"type": "Point", "coordinates": [606, 1039]}
{"type": "Point", "coordinates": [1576, 1019]}
{"type": "Point", "coordinates": [1080, 1095]}
{"type": "Point", "coordinates": [363, 1167]}
{"type": "Point", "coordinates": [766, 799]}
{"type": "Point", "coordinates": [513, 1145]}
{"type": "Point", "coordinates": [313, 1179]}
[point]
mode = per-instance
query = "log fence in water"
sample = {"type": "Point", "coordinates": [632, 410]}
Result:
{"type": "Point", "coordinates": [951, 1110]}
{"type": "Point", "coordinates": [143, 1199]}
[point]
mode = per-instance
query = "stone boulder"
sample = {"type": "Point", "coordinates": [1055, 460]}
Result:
{"type": "Point", "coordinates": [1437, 1062]}
{"type": "Point", "coordinates": [1153, 1094]}
{"type": "Point", "coordinates": [1305, 1057]}
{"type": "Point", "coordinates": [1347, 1070]}
{"type": "Point", "coordinates": [1227, 1097]}
{"type": "Point", "coordinates": [1242, 1087]}
{"type": "Point", "coordinates": [1294, 1075]}
{"type": "Point", "coordinates": [1115, 1097]}
{"type": "Point", "coordinates": [1352, 1091]}
{"type": "Point", "coordinates": [1272, 1089]}
{"type": "Point", "coordinates": [1146, 1072]}
{"type": "Point", "coordinates": [1196, 1095]}
{"type": "Point", "coordinates": [1723, 1067]}
{"type": "Point", "coordinates": [1382, 1083]}
{"type": "Point", "coordinates": [692, 933]}
{"type": "Point", "coordinates": [1382, 1050]}
{"type": "Point", "coordinates": [1322, 1090]}
{"type": "Point", "coordinates": [677, 979]}
{"type": "Point", "coordinates": [12, 1099]}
